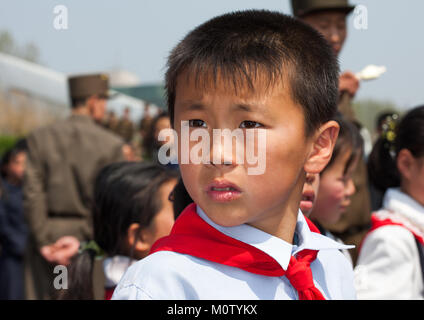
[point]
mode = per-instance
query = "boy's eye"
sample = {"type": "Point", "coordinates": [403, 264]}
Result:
{"type": "Point", "coordinates": [196, 123]}
{"type": "Point", "coordinates": [250, 124]}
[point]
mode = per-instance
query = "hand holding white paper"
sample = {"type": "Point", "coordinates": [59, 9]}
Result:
{"type": "Point", "coordinates": [371, 72]}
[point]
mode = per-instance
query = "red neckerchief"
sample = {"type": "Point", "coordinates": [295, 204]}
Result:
{"type": "Point", "coordinates": [109, 293]}
{"type": "Point", "coordinates": [192, 235]}
{"type": "Point", "coordinates": [377, 222]}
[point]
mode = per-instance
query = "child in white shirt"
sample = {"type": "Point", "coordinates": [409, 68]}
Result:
{"type": "Point", "coordinates": [390, 263]}
{"type": "Point", "coordinates": [252, 73]}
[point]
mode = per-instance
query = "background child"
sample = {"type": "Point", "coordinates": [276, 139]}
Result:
{"type": "Point", "coordinates": [151, 143]}
{"type": "Point", "coordinates": [336, 185]}
{"type": "Point", "coordinates": [243, 237]}
{"type": "Point", "coordinates": [389, 260]}
{"type": "Point", "coordinates": [309, 193]}
{"type": "Point", "coordinates": [13, 228]}
{"type": "Point", "coordinates": [131, 212]}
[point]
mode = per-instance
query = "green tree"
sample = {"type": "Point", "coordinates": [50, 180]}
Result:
{"type": "Point", "coordinates": [8, 45]}
{"type": "Point", "coordinates": [368, 110]}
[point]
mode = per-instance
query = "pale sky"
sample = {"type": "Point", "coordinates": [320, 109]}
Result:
{"type": "Point", "coordinates": [138, 35]}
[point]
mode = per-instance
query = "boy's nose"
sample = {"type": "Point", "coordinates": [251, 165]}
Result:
{"type": "Point", "coordinates": [222, 155]}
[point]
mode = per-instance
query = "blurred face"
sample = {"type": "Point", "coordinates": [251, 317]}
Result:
{"type": "Point", "coordinates": [162, 123]}
{"type": "Point", "coordinates": [226, 192]}
{"type": "Point", "coordinates": [335, 189]}
{"type": "Point", "coordinates": [412, 175]}
{"type": "Point", "coordinates": [16, 168]}
{"type": "Point", "coordinates": [160, 226]}
{"type": "Point", "coordinates": [164, 220]}
{"type": "Point", "coordinates": [309, 193]}
{"type": "Point", "coordinates": [417, 184]}
{"type": "Point", "coordinates": [331, 24]}
{"type": "Point", "coordinates": [97, 108]}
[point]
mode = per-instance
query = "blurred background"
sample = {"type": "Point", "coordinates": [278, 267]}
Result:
{"type": "Point", "coordinates": [131, 40]}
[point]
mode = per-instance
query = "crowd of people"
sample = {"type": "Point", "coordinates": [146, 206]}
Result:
{"type": "Point", "coordinates": [326, 220]}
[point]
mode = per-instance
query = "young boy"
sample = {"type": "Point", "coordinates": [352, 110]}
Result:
{"type": "Point", "coordinates": [244, 236]}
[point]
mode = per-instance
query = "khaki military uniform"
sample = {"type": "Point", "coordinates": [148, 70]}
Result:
{"type": "Point", "coordinates": [63, 161]}
{"type": "Point", "coordinates": [125, 129]}
{"type": "Point", "coordinates": [112, 124]}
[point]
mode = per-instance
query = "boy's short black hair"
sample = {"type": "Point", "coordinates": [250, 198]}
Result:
{"type": "Point", "coordinates": [242, 45]}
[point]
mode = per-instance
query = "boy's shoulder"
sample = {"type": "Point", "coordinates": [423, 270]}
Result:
{"type": "Point", "coordinates": [161, 275]}
{"type": "Point", "coordinates": [334, 260]}
{"type": "Point", "coordinates": [167, 275]}
{"type": "Point", "coordinates": [159, 264]}
{"type": "Point", "coordinates": [335, 273]}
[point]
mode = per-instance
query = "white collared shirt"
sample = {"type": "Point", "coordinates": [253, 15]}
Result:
{"type": "Point", "coordinates": [388, 264]}
{"type": "Point", "coordinates": [174, 276]}
{"type": "Point", "coordinates": [114, 268]}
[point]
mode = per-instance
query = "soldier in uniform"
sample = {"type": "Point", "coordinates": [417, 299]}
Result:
{"type": "Point", "coordinates": [126, 127]}
{"type": "Point", "coordinates": [63, 160]}
{"type": "Point", "coordinates": [329, 18]}
{"type": "Point", "coordinates": [112, 122]}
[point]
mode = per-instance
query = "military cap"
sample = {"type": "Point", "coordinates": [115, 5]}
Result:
{"type": "Point", "coordinates": [84, 86]}
{"type": "Point", "coordinates": [303, 7]}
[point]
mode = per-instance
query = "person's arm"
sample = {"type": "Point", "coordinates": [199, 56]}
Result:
{"type": "Point", "coordinates": [12, 233]}
{"type": "Point", "coordinates": [35, 203]}
{"type": "Point", "coordinates": [348, 86]}
{"type": "Point", "coordinates": [120, 153]}
{"type": "Point", "coordinates": [386, 264]}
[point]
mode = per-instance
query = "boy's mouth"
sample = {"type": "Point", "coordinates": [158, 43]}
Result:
{"type": "Point", "coordinates": [222, 191]}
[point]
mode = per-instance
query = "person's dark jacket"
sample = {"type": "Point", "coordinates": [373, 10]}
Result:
{"type": "Point", "coordinates": [13, 239]}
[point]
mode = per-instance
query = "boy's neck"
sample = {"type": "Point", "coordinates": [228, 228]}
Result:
{"type": "Point", "coordinates": [283, 227]}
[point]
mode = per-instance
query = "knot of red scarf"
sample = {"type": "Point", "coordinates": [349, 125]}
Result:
{"type": "Point", "coordinates": [194, 236]}
{"type": "Point", "coordinates": [299, 274]}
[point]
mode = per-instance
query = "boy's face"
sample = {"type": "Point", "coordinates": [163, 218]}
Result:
{"type": "Point", "coordinates": [331, 24]}
{"type": "Point", "coordinates": [226, 192]}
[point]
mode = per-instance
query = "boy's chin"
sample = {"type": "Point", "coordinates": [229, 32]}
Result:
{"type": "Point", "coordinates": [226, 216]}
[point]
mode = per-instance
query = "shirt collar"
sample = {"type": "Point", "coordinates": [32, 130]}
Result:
{"type": "Point", "coordinates": [278, 249]}
{"type": "Point", "coordinates": [114, 268]}
{"type": "Point", "coordinates": [397, 201]}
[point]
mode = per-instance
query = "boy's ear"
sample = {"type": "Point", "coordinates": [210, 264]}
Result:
{"type": "Point", "coordinates": [136, 238]}
{"type": "Point", "coordinates": [322, 147]}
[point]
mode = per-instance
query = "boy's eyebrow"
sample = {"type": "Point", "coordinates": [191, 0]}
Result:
{"type": "Point", "coordinates": [196, 106]}
{"type": "Point", "coordinates": [242, 107]}
{"type": "Point", "coordinates": [249, 107]}
{"type": "Point", "coordinates": [192, 106]}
